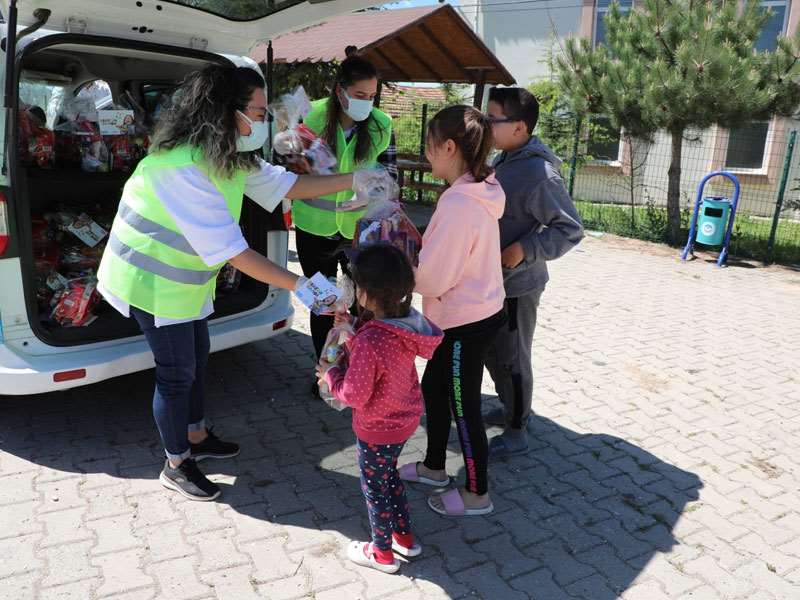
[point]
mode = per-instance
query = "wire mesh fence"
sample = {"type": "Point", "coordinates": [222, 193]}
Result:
{"type": "Point", "coordinates": [620, 185]}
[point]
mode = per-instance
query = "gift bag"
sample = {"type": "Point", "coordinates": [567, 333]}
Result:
{"type": "Point", "coordinates": [75, 303]}
{"type": "Point", "coordinates": [336, 351]}
{"type": "Point", "coordinates": [384, 220]}
{"type": "Point", "coordinates": [295, 139]}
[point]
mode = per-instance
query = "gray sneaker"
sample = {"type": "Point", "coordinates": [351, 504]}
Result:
{"type": "Point", "coordinates": [188, 481]}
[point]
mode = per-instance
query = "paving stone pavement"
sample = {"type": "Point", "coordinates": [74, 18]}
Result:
{"type": "Point", "coordinates": [663, 464]}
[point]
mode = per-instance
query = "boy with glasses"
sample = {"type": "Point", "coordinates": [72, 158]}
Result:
{"type": "Point", "coordinates": [539, 224]}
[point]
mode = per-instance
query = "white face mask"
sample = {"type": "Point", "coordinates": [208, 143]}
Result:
{"type": "Point", "coordinates": [259, 132]}
{"type": "Point", "coordinates": [358, 110]}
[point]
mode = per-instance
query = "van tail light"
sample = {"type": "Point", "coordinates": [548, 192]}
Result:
{"type": "Point", "coordinates": [4, 234]}
{"type": "Point", "coordinates": [69, 375]}
{"type": "Point", "coordinates": [279, 325]}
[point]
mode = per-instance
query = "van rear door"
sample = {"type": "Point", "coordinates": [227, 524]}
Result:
{"type": "Point", "coordinates": [223, 26]}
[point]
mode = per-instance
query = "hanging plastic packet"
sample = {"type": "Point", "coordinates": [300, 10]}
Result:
{"type": "Point", "coordinates": [384, 220]}
{"type": "Point", "coordinates": [295, 139]}
{"type": "Point", "coordinates": [336, 351]}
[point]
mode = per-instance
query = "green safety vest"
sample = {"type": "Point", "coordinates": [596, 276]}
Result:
{"type": "Point", "coordinates": [147, 262]}
{"type": "Point", "coordinates": [319, 215]}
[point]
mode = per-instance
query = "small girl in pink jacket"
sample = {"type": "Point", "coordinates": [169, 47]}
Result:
{"type": "Point", "coordinates": [381, 385]}
{"type": "Point", "coordinates": [461, 281]}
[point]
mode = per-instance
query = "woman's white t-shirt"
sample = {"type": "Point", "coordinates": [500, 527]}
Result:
{"type": "Point", "coordinates": [202, 216]}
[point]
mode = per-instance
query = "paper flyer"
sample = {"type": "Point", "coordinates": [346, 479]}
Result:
{"type": "Point", "coordinates": [318, 294]}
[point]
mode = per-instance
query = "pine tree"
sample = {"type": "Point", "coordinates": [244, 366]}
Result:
{"type": "Point", "coordinates": [678, 64]}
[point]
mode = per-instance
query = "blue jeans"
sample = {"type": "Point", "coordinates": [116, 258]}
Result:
{"type": "Point", "coordinates": [181, 355]}
{"type": "Point", "coordinates": [384, 492]}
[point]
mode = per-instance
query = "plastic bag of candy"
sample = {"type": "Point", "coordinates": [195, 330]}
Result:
{"type": "Point", "coordinates": [384, 220]}
{"type": "Point", "coordinates": [297, 140]}
{"type": "Point", "coordinates": [337, 345]}
{"type": "Point", "coordinates": [37, 143]}
{"type": "Point", "coordinates": [74, 304]}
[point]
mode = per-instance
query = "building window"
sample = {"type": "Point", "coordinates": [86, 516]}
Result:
{"type": "Point", "coordinates": [601, 10]}
{"type": "Point", "coordinates": [603, 144]}
{"type": "Point", "coordinates": [775, 26]}
{"type": "Point", "coordinates": [747, 146]}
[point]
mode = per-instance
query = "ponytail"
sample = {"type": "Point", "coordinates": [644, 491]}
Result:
{"type": "Point", "coordinates": [471, 131]}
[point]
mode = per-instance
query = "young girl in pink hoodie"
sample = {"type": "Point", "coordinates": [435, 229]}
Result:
{"type": "Point", "coordinates": [381, 385]}
{"type": "Point", "coordinates": [461, 281]}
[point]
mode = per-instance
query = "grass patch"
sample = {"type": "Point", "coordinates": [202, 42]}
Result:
{"type": "Point", "coordinates": [749, 239]}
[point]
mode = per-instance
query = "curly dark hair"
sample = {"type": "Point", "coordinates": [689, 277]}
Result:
{"type": "Point", "coordinates": [385, 274]}
{"type": "Point", "coordinates": [203, 115]}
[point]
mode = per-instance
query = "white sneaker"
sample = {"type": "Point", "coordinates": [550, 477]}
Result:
{"type": "Point", "coordinates": [355, 552]}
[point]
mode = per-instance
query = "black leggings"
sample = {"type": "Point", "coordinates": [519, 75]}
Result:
{"type": "Point", "coordinates": [321, 254]}
{"type": "Point", "coordinates": [452, 385]}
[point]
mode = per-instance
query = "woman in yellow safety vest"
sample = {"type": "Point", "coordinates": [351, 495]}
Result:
{"type": "Point", "coordinates": [176, 226]}
{"type": "Point", "coordinates": [359, 134]}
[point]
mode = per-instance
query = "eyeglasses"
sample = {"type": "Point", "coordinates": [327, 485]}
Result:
{"type": "Point", "coordinates": [497, 120]}
{"type": "Point", "coordinates": [261, 111]}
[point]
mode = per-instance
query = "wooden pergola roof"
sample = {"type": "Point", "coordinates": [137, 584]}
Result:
{"type": "Point", "coordinates": [431, 44]}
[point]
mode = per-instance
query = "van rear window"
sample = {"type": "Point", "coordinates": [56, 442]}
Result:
{"type": "Point", "coordinates": [236, 10]}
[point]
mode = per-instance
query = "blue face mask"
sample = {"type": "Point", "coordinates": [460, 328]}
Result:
{"type": "Point", "coordinates": [259, 132]}
{"type": "Point", "coordinates": [357, 109]}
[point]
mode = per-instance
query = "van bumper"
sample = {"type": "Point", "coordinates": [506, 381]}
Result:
{"type": "Point", "coordinates": [22, 374]}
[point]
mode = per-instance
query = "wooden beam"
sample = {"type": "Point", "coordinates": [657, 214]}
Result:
{"type": "Point", "coordinates": [377, 101]}
{"type": "Point", "coordinates": [419, 59]}
{"type": "Point", "coordinates": [480, 82]}
{"type": "Point", "coordinates": [444, 50]}
{"type": "Point", "coordinates": [391, 63]}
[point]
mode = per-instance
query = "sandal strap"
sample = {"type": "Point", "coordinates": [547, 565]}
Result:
{"type": "Point", "coordinates": [453, 503]}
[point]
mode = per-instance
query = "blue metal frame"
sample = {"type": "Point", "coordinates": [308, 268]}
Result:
{"type": "Point", "coordinates": [723, 255]}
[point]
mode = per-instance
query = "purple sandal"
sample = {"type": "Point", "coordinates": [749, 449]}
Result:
{"type": "Point", "coordinates": [409, 472]}
{"type": "Point", "coordinates": [454, 506]}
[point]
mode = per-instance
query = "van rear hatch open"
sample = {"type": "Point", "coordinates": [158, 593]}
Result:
{"type": "Point", "coordinates": [222, 26]}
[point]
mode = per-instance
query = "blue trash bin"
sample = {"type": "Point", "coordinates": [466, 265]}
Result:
{"type": "Point", "coordinates": [713, 221]}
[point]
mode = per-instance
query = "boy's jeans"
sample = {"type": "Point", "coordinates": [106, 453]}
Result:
{"type": "Point", "coordinates": [509, 359]}
{"type": "Point", "coordinates": [181, 355]}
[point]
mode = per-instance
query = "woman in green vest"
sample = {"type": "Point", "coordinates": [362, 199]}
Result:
{"type": "Point", "coordinates": [176, 226]}
{"type": "Point", "coordinates": [359, 134]}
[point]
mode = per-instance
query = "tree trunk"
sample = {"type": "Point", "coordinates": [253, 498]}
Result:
{"type": "Point", "coordinates": [674, 189]}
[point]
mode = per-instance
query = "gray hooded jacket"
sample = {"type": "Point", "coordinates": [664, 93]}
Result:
{"type": "Point", "coordinates": [539, 214]}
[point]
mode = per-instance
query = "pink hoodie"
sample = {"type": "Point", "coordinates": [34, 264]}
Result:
{"type": "Point", "coordinates": [381, 383]}
{"type": "Point", "coordinates": [460, 275]}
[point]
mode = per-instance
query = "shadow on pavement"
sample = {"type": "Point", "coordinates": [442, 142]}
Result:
{"type": "Point", "coordinates": [590, 510]}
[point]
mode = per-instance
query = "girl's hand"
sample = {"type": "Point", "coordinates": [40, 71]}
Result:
{"type": "Point", "coordinates": [321, 373]}
{"type": "Point", "coordinates": [341, 318]}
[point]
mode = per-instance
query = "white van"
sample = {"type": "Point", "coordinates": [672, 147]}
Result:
{"type": "Point", "coordinates": [140, 50]}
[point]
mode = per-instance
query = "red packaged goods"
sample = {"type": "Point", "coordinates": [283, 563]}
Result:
{"type": "Point", "coordinates": [36, 141]}
{"type": "Point", "coordinates": [75, 303]}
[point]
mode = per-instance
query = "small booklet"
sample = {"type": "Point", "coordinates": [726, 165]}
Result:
{"type": "Point", "coordinates": [115, 122]}
{"type": "Point", "coordinates": [319, 295]}
{"type": "Point", "coordinates": [85, 229]}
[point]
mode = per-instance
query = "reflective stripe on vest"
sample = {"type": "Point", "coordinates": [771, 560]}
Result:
{"type": "Point", "coordinates": [320, 204]}
{"type": "Point", "coordinates": [157, 232]}
{"type": "Point", "coordinates": [156, 267]}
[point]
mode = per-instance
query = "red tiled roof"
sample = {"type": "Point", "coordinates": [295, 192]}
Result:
{"type": "Point", "coordinates": [402, 99]}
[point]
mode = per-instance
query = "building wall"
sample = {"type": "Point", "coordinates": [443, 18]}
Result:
{"type": "Point", "coordinates": [522, 34]}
